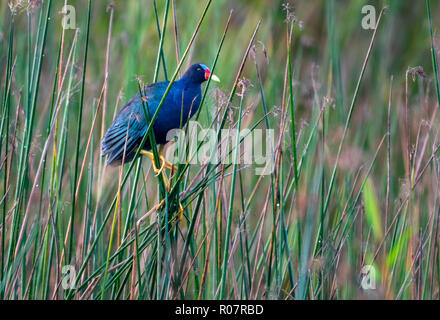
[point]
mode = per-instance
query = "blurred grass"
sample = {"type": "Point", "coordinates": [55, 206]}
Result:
{"type": "Point", "coordinates": [280, 236]}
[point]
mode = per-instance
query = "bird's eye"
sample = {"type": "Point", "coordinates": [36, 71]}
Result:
{"type": "Point", "coordinates": [199, 69]}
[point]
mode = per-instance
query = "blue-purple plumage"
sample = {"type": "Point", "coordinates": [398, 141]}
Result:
{"type": "Point", "coordinates": [130, 124]}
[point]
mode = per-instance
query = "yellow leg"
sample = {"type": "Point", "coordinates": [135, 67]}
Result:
{"type": "Point", "coordinates": [155, 169]}
{"type": "Point", "coordinates": [164, 163]}
{"type": "Point", "coordinates": [180, 211]}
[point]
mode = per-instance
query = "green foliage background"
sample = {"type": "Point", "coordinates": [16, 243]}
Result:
{"type": "Point", "coordinates": [288, 239]}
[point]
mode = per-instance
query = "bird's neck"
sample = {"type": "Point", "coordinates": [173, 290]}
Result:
{"type": "Point", "coordinates": [187, 83]}
{"type": "Point", "coordinates": [190, 94]}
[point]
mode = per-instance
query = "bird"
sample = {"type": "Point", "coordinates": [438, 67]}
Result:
{"type": "Point", "coordinates": [124, 136]}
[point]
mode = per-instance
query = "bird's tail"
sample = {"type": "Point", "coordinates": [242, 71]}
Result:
{"type": "Point", "coordinates": [115, 142]}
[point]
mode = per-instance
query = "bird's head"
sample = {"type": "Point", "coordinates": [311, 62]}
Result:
{"type": "Point", "coordinates": [199, 73]}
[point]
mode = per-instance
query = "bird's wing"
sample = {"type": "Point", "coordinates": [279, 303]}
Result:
{"type": "Point", "coordinates": [130, 125]}
{"type": "Point", "coordinates": [152, 95]}
{"type": "Point", "coordinates": [125, 133]}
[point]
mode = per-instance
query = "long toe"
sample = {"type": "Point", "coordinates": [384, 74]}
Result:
{"type": "Point", "coordinates": [168, 165]}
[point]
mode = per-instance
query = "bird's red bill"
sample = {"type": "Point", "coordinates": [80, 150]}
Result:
{"type": "Point", "coordinates": [213, 76]}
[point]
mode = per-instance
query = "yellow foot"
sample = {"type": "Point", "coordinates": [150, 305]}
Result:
{"type": "Point", "coordinates": [180, 212]}
{"type": "Point", "coordinates": [164, 163]}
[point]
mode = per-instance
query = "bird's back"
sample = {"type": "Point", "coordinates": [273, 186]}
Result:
{"type": "Point", "coordinates": [130, 124]}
